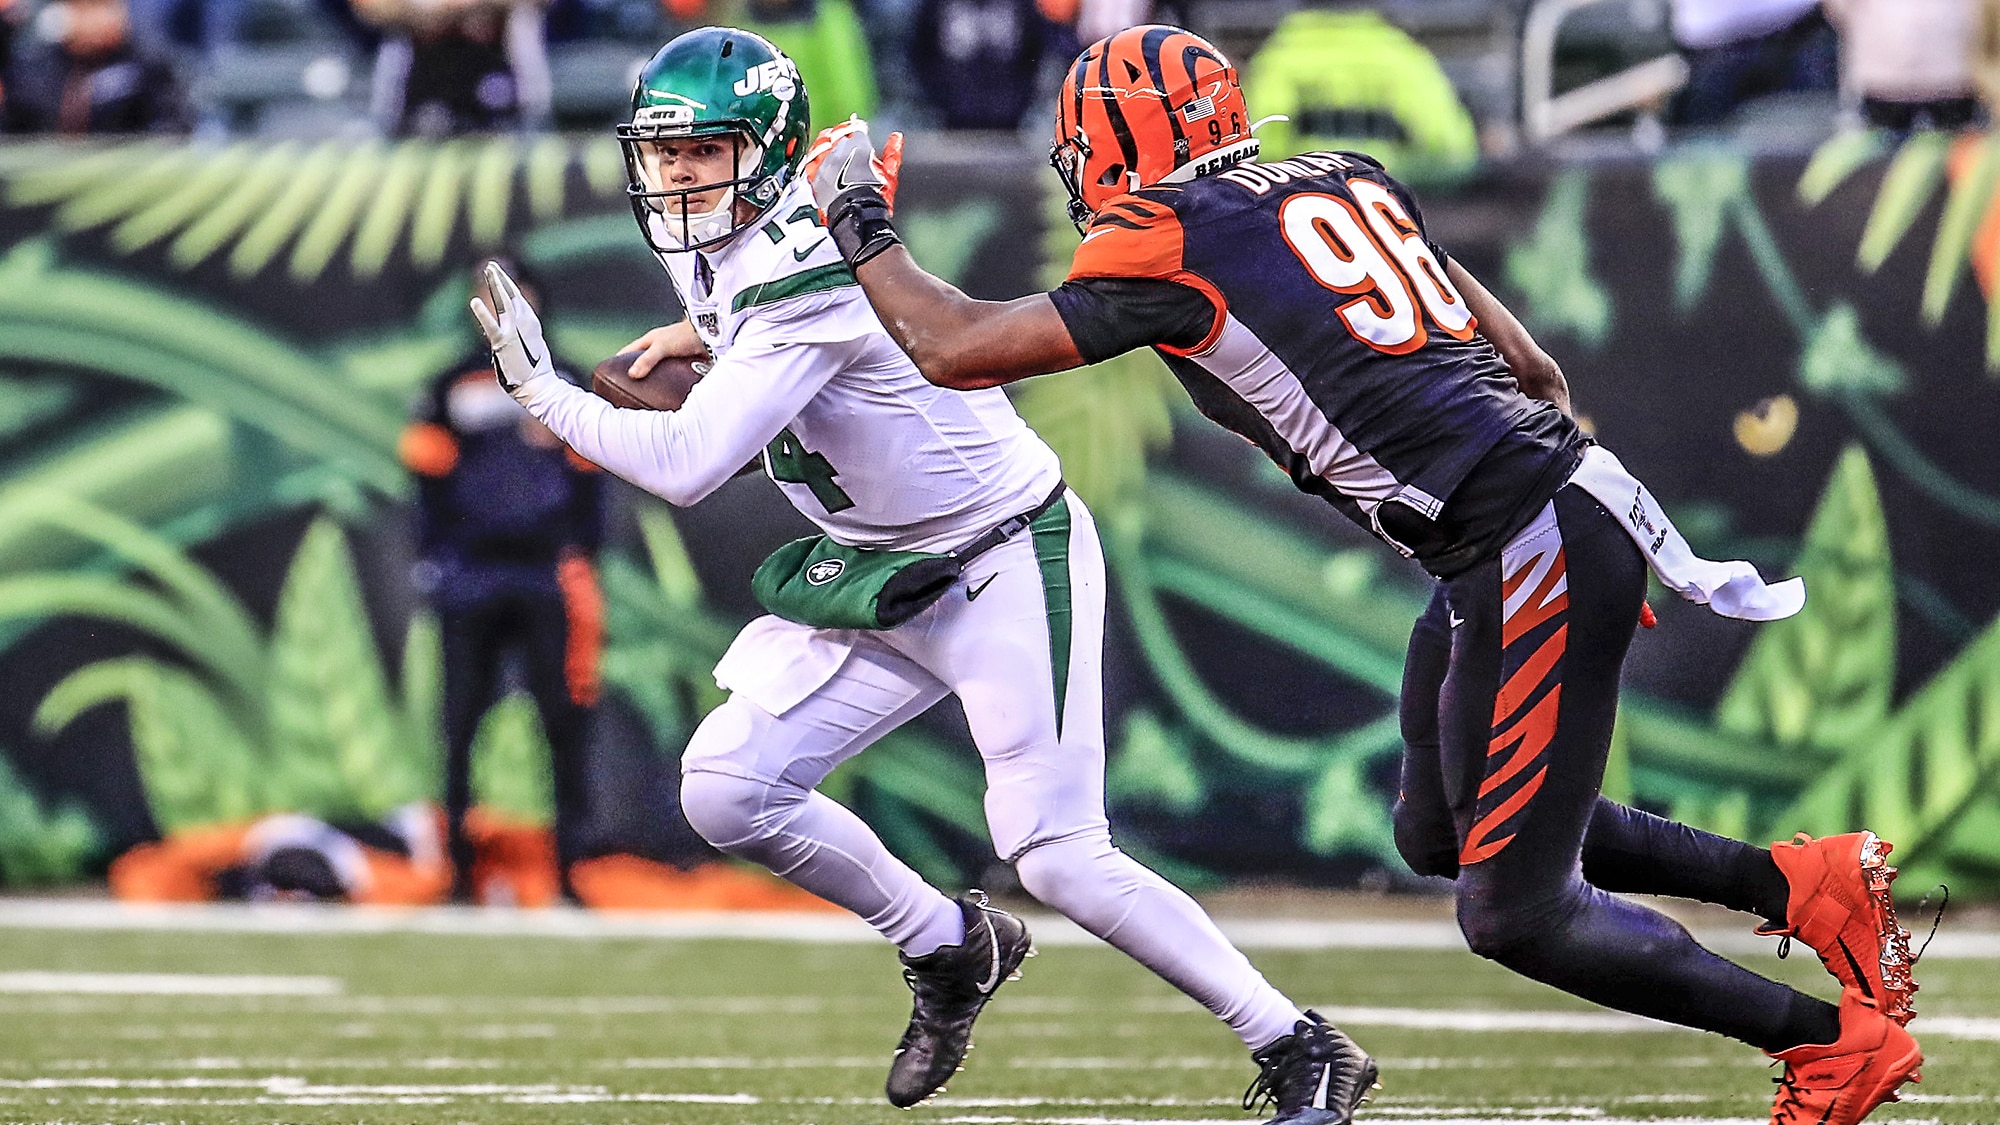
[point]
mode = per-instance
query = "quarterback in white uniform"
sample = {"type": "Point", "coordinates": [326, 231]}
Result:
{"type": "Point", "coordinates": [882, 461]}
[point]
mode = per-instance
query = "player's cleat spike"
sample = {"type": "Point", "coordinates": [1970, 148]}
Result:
{"type": "Point", "coordinates": [1314, 1076]}
{"type": "Point", "coordinates": [948, 988]}
{"type": "Point", "coordinates": [1841, 907]}
{"type": "Point", "coordinates": [1839, 1083]}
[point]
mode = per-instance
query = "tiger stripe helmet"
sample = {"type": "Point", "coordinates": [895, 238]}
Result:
{"type": "Point", "coordinates": [1149, 105]}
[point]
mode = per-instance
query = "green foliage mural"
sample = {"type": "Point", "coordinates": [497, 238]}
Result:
{"type": "Point", "coordinates": [39, 845]}
{"type": "Point", "coordinates": [156, 406]}
{"type": "Point", "coordinates": [238, 723]}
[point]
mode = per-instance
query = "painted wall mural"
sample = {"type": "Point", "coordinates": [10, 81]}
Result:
{"type": "Point", "coordinates": [207, 353]}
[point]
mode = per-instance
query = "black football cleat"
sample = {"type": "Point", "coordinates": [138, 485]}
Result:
{"type": "Point", "coordinates": [950, 986]}
{"type": "Point", "coordinates": [1314, 1076]}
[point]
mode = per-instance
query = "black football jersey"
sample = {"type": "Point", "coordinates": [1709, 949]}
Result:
{"type": "Point", "coordinates": [1335, 342]}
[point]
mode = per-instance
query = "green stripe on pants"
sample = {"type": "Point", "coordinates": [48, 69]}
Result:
{"type": "Point", "coordinates": [1051, 534]}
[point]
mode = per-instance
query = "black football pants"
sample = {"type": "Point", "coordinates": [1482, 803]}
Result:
{"type": "Point", "coordinates": [1509, 694]}
{"type": "Point", "coordinates": [476, 636]}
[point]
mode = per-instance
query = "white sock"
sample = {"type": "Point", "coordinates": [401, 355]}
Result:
{"type": "Point", "coordinates": [1156, 924]}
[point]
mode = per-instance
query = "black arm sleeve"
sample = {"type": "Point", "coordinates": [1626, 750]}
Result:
{"type": "Point", "coordinates": [1108, 316]}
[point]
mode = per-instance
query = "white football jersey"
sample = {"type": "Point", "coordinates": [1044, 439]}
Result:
{"type": "Point", "coordinates": [878, 457]}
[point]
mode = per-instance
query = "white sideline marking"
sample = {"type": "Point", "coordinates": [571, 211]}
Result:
{"type": "Point", "coordinates": [816, 928]}
{"type": "Point", "coordinates": [1421, 1117]}
{"type": "Point", "coordinates": [168, 984]}
{"type": "Point", "coordinates": [287, 1090]}
{"type": "Point", "coordinates": [1464, 1019]}
{"type": "Point", "coordinates": [1959, 1027]}
{"type": "Point", "coordinates": [213, 1064]}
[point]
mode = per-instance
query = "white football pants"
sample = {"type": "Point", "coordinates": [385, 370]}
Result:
{"type": "Point", "coordinates": [1020, 642]}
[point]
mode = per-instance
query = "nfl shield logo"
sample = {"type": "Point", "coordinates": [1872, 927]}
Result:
{"type": "Point", "coordinates": [708, 322]}
{"type": "Point", "coordinates": [824, 571]}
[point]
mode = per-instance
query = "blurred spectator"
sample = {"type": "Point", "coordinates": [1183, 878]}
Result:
{"type": "Point", "coordinates": [189, 27]}
{"type": "Point", "coordinates": [1351, 80]}
{"type": "Point", "coordinates": [456, 66]}
{"type": "Point", "coordinates": [1743, 49]}
{"type": "Point", "coordinates": [1986, 55]}
{"type": "Point", "coordinates": [1099, 19]}
{"type": "Point", "coordinates": [12, 12]}
{"type": "Point", "coordinates": [976, 61]}
{"type": "Point", "coordinates": [824, 37]}
{"type": "Point", "coordinates": [1910, 60]}
{"type": "Point", "coordinates": [80, 74]}
{"type": "Point", "coordinates": [509, 522]}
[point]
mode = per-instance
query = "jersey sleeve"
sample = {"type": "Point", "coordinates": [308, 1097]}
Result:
{"type": "Point", "coordinates": [1109, 316]}
{"type": "Point", "coordinates": [1128, 286]}
{"type": "Point", "coordinates": [752, 392]}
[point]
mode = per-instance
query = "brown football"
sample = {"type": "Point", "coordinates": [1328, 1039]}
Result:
{"type": "Point", "coordinates": [665, 387]}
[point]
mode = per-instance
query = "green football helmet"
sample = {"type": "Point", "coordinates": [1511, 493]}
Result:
{"type": "Point", "coordinates": [728, 86]}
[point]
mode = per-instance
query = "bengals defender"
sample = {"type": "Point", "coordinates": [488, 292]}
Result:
{"type": "Point", "coordinates": [1303, 306]}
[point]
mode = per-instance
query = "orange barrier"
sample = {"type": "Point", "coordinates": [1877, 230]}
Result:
{"type": "Point", "coordinates": [514, 865]}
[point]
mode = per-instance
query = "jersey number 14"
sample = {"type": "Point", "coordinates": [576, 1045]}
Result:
{"type": "Point", "coordinates": [1379, 256]}
{"type": "Point", "coordinates": [790, 461]}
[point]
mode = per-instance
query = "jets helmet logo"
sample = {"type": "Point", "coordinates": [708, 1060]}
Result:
{"type": "Point", "coordinates": [780, 76]}
{"type": "Point", "coordinates": [824, 571]}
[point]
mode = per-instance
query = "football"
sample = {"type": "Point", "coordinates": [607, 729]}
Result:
{"type": "Point", "coordinates": [665, 387]}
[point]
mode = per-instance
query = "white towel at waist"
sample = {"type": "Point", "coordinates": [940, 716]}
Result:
{"type": "Point", "coordinates": [1732, 589]}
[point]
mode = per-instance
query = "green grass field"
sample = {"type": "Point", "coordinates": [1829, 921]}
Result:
{"type": "Point", "coordinates": [440, 1028]}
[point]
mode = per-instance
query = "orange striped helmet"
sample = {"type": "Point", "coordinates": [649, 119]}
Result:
{"type": "Point", "coordinates": [1149, 105]}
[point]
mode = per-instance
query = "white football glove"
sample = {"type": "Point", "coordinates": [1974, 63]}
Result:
{"type": "Point", "coordinates": [513, 331]}
{"type": "Point", "coordinates": [855, 188]}
{"type": "Point", "coordinates": [843, 157]}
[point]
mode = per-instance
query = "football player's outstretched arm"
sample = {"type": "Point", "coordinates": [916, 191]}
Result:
{"type": "Point", "coordinates": [954, 340]}
{"type": "Point", "coordinates": [1537, 372]}
{"type": "Point", "coordinates": [678, 455]}
{"type": "Point", "coordinates": [959, 342]}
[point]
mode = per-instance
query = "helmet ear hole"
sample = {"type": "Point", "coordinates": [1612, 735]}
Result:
{"type": "Point", "coordinates": [1112, 177]}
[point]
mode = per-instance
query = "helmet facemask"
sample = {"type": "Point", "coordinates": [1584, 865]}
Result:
{"type": "Point", "coordinates": [695, 215]}
{"type": "Point", "coordinates": [1068, 156]}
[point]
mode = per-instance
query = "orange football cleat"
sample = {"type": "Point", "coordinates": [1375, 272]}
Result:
{"type": "Point", "coordinates": [1840, 906]}
{"type": "Point", "coordinates": [1839, 1083]}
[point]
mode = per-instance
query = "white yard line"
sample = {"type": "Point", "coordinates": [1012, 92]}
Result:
{"type": "Point", "coordinates": [168, 984]}
{"type": "Point", "coordinates": [289, 1090]}
{"type": "Point", "coordinates": [1958, 1027]}
{"type": "Point", "coordinates": [1050, 930]}
{"type": "Point", "coordinates": [212, 1064]}
{"type": "Point", "coordinates": [1469, 1117]}
{"type": "Point", "coordinates": [1461, 1019]}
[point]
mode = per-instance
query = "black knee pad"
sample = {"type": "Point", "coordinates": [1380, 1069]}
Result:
{"type": "Point", "coordinates": [1504, 931]}
{"type": "Point", "coordinates": [1429, 849]}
